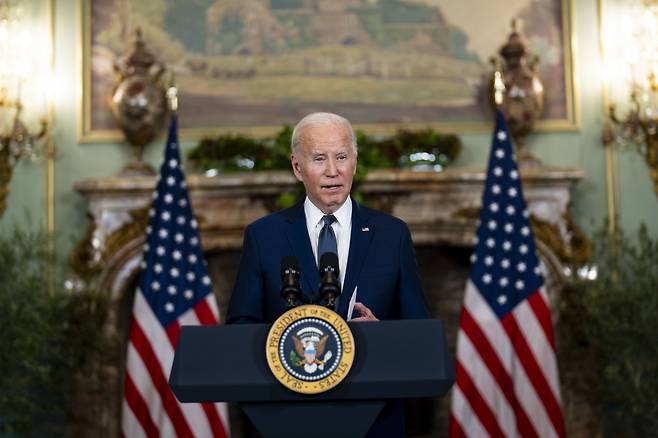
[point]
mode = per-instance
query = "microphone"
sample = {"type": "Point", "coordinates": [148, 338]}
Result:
{"type": "Point", "coordinates": [290, 289]}
{"type": "Point", "coordinates": [329, 279]}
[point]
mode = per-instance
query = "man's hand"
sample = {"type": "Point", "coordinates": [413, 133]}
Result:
{"type": "Point", "coordinates": [366, 314]}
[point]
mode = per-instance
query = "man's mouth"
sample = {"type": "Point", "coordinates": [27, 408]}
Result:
{"type": "Point", "coordinates": [332, 187]}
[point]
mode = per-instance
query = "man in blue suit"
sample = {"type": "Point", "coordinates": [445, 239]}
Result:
{"type": "Point", "coordinates": [375, 251]}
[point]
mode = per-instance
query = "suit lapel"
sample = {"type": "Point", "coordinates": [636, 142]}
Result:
{"type": "Point", "coordinates": [297, 233]}
{"type": "Point", "coordinates": [360, 239]}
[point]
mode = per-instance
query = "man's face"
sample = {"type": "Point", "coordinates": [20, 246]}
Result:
{"type": "Point", "coordinates": [325, 163]}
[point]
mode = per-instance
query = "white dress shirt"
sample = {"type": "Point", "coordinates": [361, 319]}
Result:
{"type": "Point", "coordinates": [342, 229]}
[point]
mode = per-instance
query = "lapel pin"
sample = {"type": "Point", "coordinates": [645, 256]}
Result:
{"type": "Point", "coordinates": [365, 229]}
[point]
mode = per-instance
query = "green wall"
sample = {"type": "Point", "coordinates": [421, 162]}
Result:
{"type": "Point", "coordinates": [582, 149]}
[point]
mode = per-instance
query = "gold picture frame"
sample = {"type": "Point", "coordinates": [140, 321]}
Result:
{"type": "Point", "coordinates": [91, 130]}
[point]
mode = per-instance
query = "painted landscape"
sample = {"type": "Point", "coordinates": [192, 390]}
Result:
{"type": "Point", "coordinates": [246, 63]}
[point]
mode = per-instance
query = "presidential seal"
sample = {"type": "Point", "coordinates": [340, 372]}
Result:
{"type": "Point", "coordinates": [310, 349]}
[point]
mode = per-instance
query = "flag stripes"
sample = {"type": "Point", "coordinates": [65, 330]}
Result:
{"type": "Point", "coordinates": [507, 376]}
{"type": "Point", "coordinates": [174, 289]}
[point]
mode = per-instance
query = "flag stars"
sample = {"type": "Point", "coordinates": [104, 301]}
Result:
{"type": "Point", "coordinates": [492, 225]}
{"type": "Point", "coordinates": [526, 214]}
{"type": "Point", "coordinates": [474, 258]}
{"type": "Point", "coordinates": [505, 263]}
{"type": "Point", "coordinates": [146, 247]}
{"type": "Point", "coordinates": [503, 281]}
{"type": "Point", "coordinates": [501, 135]}
{"type": "Point", "coordinates": [537, 270]}
{"type": "Point", "coordinates": [486, 278]}
{"type": "Point", "coordinates": [500, 153]}
{"type": "Point", "coordinates": [509, 227]}
{"type": "Point", "coordinates": [507, 245]}
{"type": "Point", "coordinates": [512, 192]}
{"type": "Point", "coordinates": [502, 299]}
{"type": "Point", "coordinates": [491, 242]}
{"type": "Point", "coordinates": [523, 249]}
{"type": "Point", "coordinates": [519, 284]}
{"type": "Point", "coordinates": [493, 207]}
{"type": "Point", "coordinates": [488, 260]}
{"type": "Point", "coordinates": [513, 174]}
{"type": "Point", "coordinates": [525, 231]}
{"type": "Point", "coordinates": [498, 171]}
{"type": "Point", "coordinates": [521, 267]}
{"type": "Point", "coordinates": [495, 189]}
{"type": "Point", "coordinates": [174, 279]}
{"type": "Point", "coordinates": [510, 210]}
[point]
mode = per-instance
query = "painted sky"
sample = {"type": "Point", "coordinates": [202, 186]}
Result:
{"type": "Point", "coordinates": [474, 15]}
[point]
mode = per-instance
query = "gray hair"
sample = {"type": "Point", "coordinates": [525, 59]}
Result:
{"type": "Point", "coordinates": [321, 119]}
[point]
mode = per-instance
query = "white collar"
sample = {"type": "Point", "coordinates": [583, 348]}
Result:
{"type": "Point", "coordinates": [314, 215]}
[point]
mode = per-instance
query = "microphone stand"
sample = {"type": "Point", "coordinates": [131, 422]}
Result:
{"type": "Point", "coordinates": [329, 280]}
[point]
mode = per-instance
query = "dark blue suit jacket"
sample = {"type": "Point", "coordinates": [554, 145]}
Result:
{"type": "Point", "coordinates": [381, 262]}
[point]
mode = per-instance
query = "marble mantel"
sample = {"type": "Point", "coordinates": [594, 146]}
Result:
{"type": "Point", "coordinates": [440, 208]}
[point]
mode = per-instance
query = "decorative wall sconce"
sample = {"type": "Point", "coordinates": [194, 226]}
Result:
{"type": "Point", "coordinates": [139, 102]}
{"type": "Point", "coordinates": [634, 48]}
{"type": "Point", "coordinates": [517, 91]}
{"type": "Point", "coordinates": [23, 94]}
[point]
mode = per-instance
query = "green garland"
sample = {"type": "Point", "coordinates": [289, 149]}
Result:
{"type": "Point", "coordinates": [230, 153]}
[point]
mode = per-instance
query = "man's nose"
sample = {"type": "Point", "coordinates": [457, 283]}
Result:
{"type": "Point", "coordinates": [331, 169]}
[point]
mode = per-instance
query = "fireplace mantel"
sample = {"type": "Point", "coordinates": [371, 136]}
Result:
{"type": "Point", "coordinates": [440, 208]}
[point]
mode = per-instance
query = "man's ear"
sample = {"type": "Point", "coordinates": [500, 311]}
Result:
{"type": "Point", "coordinates": [296, 167]}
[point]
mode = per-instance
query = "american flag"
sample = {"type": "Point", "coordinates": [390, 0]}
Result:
{"type": "Point", "coordinates": [174, 289]}
{"type": "Point", "coordinates": [507, 379]}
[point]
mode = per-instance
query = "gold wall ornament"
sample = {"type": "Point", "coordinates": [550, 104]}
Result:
{"type": "Point", "coordinates": [139, 102]}
{"type": "Point", "coordinates": [25, 72]}
{"type": "Point", "coordinates": [639, 126]}
{"type": "Point", "coordinates": [630, 70]}
{"type": "Point", "coordinates": [516, 89]}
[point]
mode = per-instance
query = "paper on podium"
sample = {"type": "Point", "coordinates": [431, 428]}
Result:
{"type": "Point", "coordinates": [350, 307]}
